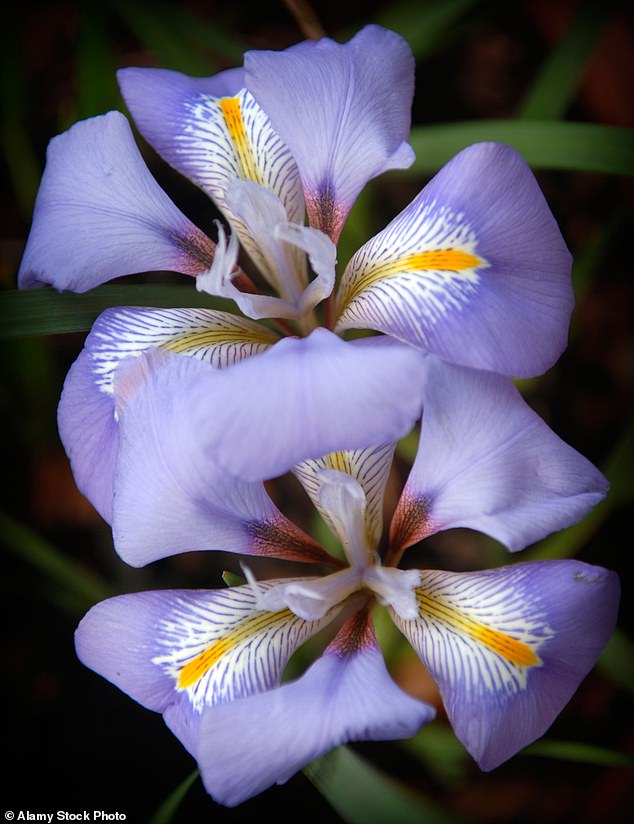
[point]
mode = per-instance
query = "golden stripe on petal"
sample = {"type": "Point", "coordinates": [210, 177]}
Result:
{"type": "Point", "coordinates": [433, 260]}
{"type": "Point", "coordinates": [194, 670]}
{"type": "Point", "coordinates": [514, 651]}
{"type": "Point", "coordinates": [232, 113]}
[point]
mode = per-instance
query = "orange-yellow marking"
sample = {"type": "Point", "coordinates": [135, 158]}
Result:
{"type": "Point", "coordinates": [214, 337]}
{"type": "Point", "coordinates": [437, 260]}
{"type": "Point", "coordinates": [232, 113]}
{"type": "Point", "coordinates": [514, 651]}
{"type": "Point", "coordinates": [339, 461]}
{"type": "Point", "coordinates": [193, 670]}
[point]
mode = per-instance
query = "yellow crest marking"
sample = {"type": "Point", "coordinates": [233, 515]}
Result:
{"type": "Point", "coordinates": [232, 113]}
{"type": "Point", "coordinates": [215, 337]}
{"type": "Point", "coordinates": [434, 260]}
{"type": "Point", "coordinates": [194, 670]}
{"type": "Point", "coordinates": [514, 651]}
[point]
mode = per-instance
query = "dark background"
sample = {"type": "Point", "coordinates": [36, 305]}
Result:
{"type": "Point", "coordinates": [72, 741]}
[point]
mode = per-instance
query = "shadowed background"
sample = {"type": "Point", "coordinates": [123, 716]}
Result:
{"type": "Point", "coordinates": [551, 78]}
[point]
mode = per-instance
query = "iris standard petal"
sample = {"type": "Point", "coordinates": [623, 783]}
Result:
{"type": "Point", "coordinates": [301, 399]}
{"type": "Point", "coordinates": [86, 414]}
{"type": "Point", "coordinates": [170, 498]}
{"type": "Point", "coordinates": [474, 270]}
{"type": "Point", "coordinates": [180, 651]}
{"type": "Point", "coordinates": [508, 647]}
{"type": "Point", "coordinates": [346, 695]}
{"type": "Point", "coordinates": [99, 214]}
{"type": "Point", "coordinates": [214, 135]}
{"type": "Point", "coordinates": [370, 467]}
{"type": "Point", "coordinates": [344, 112]}
{"type": "Point", "coordinates": [487, 461]}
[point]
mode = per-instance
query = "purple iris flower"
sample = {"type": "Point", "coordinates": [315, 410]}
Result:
{"type": "Point", "coordinates": [507, 647]}
{"type": "Point", "coordinates": [474, 270]}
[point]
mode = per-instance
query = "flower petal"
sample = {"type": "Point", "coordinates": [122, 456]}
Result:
{"type": "Point", "coordinates": [488, 462]}
{"type": "Point", "coordinates": [213, 135]}
{"type": "Point", "coordinates": [344, 112]}
{"type": "Point", "coordinates": [171, 498]}
{"type": "Point", "coordinates": [179, 652]}
{"type": "Point", "coordinates": [474, 270]}
{"type": "Point", "coordinates": [509, 647]}
{"type": "Point", "coordinates": [370, 467]}
{"type": "Point", "coordinates": [86, 415]}
{"type": "Point", "coordinates": [347, 695]}
{"type": "Point", "coordinates": [301, 399]}
{"type": "Point", "coordinates": [100, 214]}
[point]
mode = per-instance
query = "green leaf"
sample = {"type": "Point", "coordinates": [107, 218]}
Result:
{"type": "Point", "coordinates": [47, 311]}
{"type": "Point", "coordinates": [231, 579]}
{"type": "Point", "coordinates": [154, 27]}
{"type": "Point", "coordinates": [361, 794]}
{"type": "Point", "coordinates": [439, 751]}
{"type": "Point", "coordinates": [617, 660]}
{"type": "Point", "coordinates": [167, 810]}
{"type": "Point", "coordinates": [556, 84]}
{"type": "Point", "coordinates": [96, 84]}
{"type": "Point", "coordinates": [578, 751]}
{"type": "Point", "coordinates": [584, 147]}
{"type": "Point", "coordinates": [50, 562]}
{"type": "Point", "coordinates": [618, 471]}
{"type": "Point", "coordinates": [425, 23]}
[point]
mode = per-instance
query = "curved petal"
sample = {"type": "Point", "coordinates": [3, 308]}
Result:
{"type": "Point", "coordinates": [100, 214]}
{"type": "Point", "coordinates": [344, 112]}
{"type": "Point", "coordinates": [303, 398]}
{"type": "Point", "coordinates": [474, 270]}
{"type": "Point", "coordinates": [370, 467]}
{"type": "Point", "coordinates": [488, 462]}
{"type": "Point", "coordinates": [179, 652]}
{"type": "Point", "coordinates": [347, 695]}
{"type": "Point", "coordinates": [170, 498]}
{"type": "Point", "coordinates": [509, 647]}
{"type": "Point", "coordinates": [214, 135]}
{"type": "Point", "coordinates": [285, 246]}
{"type": "Point", "coordinates": [86, 414]}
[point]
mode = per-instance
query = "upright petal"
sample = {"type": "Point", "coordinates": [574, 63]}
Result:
{"type": "Point", "coordinates": [347, 695]}
{"type": "Point", "coordinates": [344, 112]}
{"type": "Point", "coordinates": [509, 647]}
{"type": "Point", "coordinates": [301, 399]}
{"type": "Point", "coordinates": [100, 214]}
{"type": "Point", "coordinates": [170, 497]}
{"type": "Point", "coordinates": [179, 652]}
{"type": "Point", "coordinates": [474, 270]}
{"type": "Point", "coordinates": [86, 415]}
{"type": "Point", "coordinates": [370, 467]}
{"type": "Point", "coordinates": [213, 132]}
{"type": "Point", "coordinates": [488, 462]}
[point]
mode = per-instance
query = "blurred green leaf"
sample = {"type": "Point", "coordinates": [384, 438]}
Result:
{"type": "Point", "coordinates": [617, 660]}
{"type": "Point", "coordinates": [50, 562]}
{"type": "Point", "coordinates": [425, 23]}
{"type": "Point", "coordinates": [584, 147]}
{"type": "Point", "coordinates": [361, 794]}
{"type": "Point", "coordinates": [96, 84]}
{"type": "Point", "coordinates": [167, 810]}
{"type": "Point", "coordinates": [618, 471]}
{"type": "Point", "coordinates": [47, 311]}
{"type": "Point", "coordinates": [557, 82]}
{"type": "Point", "coordinates": [578, 751]}
{"type": "Point", "coordinates": [154, 26]}
{"type": "Point", "coordinates": [440, 752]}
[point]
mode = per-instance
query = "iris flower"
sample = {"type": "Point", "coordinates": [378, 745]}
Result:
{"type": "Point", "coordinates": [474, 270]}
{"type": "Point", "coordinates": [507, 647]}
